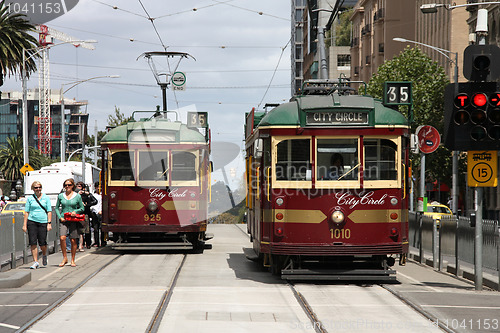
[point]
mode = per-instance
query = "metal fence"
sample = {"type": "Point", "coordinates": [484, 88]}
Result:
{"type": "Point", "coordinates": [455, 240]}
{"type": "Point", "coordinates": [14, 245]}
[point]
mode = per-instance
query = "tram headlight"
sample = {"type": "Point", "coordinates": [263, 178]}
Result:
{"type": "Point", "coordinates": [279, 201]}
{"type": "Point", "coordinates": [152, 206]}
{"type": "Point", "coordinates": [337, 217]}
{"type": "Point", "coordinates": [394, 201]}
{"type": "Point", "coordinates": [112, 195]}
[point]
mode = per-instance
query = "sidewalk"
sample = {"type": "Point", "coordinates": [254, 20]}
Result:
{"type": "Point", "coordinates": [490, 277]}
{"type": "Point", "coordinates": [15, 278]}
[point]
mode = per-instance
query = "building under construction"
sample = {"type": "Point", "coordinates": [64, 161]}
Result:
{"type": "Point", "coordinates": [75, 120]}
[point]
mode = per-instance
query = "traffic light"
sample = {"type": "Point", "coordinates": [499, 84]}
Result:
{"type": "Point", "coordinates": [481, 62]}
{"type": "Point", "coordinates": [472, 116]}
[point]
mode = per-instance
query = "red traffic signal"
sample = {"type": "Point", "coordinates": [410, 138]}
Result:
{"type": "Point", "coordinates": [472, 116]}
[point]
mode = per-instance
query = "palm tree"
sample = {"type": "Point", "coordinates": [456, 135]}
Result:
{"type": "Point", "coordinates": [14, 38]}
{"type": "Point", "coordinates": [11, 158]}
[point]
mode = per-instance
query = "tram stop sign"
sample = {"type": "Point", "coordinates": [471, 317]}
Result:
{"type": "Point", "coordinates": [428, 139]}
{"type": "Point", "coordinates": [482, 168]}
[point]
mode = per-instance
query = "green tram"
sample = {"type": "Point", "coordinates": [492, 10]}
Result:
{"type": "Point", "coordinates": [156, 183]}
{"type": "Point", "coordinates": [327, 186]}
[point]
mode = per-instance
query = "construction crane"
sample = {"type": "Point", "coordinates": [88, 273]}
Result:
{"type": "Point", "coordinates": [46, 37]}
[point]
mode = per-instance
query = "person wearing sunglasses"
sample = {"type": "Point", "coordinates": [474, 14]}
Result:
{"type": "Point", "coordinates": [68, 201]}
{"type": "Point", "coordinates": [37, 222]}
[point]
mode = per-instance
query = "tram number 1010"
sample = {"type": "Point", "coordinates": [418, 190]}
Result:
{"type": "Point", "coordinates": [340, 233]}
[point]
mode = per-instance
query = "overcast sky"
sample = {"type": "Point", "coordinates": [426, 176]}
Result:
{"type": "Point", "coordinates": [237, 50]}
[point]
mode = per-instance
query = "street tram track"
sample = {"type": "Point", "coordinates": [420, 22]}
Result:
{"type": "Point", "coordinates": [63, 298]}
{"type": "Point", "coordinates": [157, 316]}
{"type": "Point", "coordinates": [316, 323]}
{"type": "Point", "coordinates": [155, 322]}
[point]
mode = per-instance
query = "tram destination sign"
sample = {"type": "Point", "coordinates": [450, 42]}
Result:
{"type": "Point", "coordinates": [341, 118]}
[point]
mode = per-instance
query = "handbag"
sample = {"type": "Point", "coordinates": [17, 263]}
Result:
{"type": "Point", "coordinates": [78, 218]}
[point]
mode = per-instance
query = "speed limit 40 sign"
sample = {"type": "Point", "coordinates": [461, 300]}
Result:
{"type": "Point", "coordinates": [397, 93]}
{"type": "Point", "coordinates": [482, 168]}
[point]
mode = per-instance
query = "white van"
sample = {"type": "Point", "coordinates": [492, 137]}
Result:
{"type": "Point", "coordinates": [53, 176]}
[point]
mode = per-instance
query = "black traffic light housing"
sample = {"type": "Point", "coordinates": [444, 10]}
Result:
{"type": "Point", "coordinates": [472, 116]}
{"type": "Point", "coordinates": [481, 62]}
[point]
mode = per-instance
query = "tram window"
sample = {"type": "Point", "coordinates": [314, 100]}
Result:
{"type": "Point", "coordinates": [380, 159]}
{"type": "Point", "coordinates": [183, 166]}
{"type": "Point", "coordinates": [293, 160]}
{"type": "Point", "coordinates": [153, 165]}
{"type": "Point", "coordinates": [337, 159]}
{"type": "Point", "coordinates": [122, 166]}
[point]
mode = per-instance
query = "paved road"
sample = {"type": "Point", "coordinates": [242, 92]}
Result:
{"type": "Point", "coordinates": [221, 290]}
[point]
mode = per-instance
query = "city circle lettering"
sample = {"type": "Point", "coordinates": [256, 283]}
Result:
{"type": "Point", "coordinates": [337, 118]}
{"type": "Point", "coordinates": [347, 199]}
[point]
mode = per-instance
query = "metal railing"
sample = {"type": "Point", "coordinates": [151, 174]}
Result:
{"type": "Point", "coordinates": [455, 240]}
{"type": "Point", "coordinates": [14, 245]}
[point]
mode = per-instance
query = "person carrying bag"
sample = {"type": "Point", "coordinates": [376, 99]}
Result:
{"type": "Point", "coordinates": [37, 222]}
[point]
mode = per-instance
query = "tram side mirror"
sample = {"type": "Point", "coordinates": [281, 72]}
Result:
{"type": "Point", "coordinates": [472, 221]}
{"type": "Point", "coordinates": [258, 148]}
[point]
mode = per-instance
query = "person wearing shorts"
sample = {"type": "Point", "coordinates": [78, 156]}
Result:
{"type": "Point", "coordinates": [68, 202]}
{"type": "Point", "coordinates": [37, 222]}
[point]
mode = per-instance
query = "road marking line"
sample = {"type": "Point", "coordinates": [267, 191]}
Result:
{"type": "Point", "coordinates": [23, 305]}
{"type": "Point", "coordinates": [418, 282]}
{"type": "Point", "coordinates": [59, 268]}
{"type": "Point", "coordinates": [460, 306]}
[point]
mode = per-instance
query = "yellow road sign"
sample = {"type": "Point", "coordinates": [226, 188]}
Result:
{"type": "Point", "coordinates": [25, 168]}
{"type": "Point", "coordinates": [482, 168]}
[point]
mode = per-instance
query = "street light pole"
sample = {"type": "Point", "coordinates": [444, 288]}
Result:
{"type": "Point", "coordinates": [25, 92]}
{"type": "Point", "coordinates": [61, 93]}
{"type": "Point", "coordinates": [454, 179]}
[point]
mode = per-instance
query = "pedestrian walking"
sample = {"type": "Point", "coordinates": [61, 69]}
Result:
{"type": "Point", "coordinates": [88, 201]}
{"type": "Point", "coordinates": [68, 202]}
{"type": "Point", "coordinates": [37, 222]}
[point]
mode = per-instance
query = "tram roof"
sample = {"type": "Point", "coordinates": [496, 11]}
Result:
{"type": "Point", "coordinates": [293, 113]}
{"type": "Point", "coordinates": [153, 130]}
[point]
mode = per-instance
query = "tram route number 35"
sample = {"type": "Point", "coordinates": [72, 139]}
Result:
{"type": "Point", "coordinates": [397, 93]}
{"type": "Point", "coordinates": [197, 119]}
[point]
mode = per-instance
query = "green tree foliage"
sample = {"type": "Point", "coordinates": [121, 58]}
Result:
{"type": "Point", "coordinates": [11, 158]}
{"type": "Point", "coordinates": [343, 29]}
{"type": "Point", "coordinates": [428, 82]}
{"type": "Point", "coordinates": [118, 118]}
{"type": "Point", "coordinates": [14, 37]}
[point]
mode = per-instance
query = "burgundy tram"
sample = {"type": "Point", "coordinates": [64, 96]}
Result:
{"type": "Point", "coordinates": [155, 180]}
{"type": "Point", "coordinates": [305, 222]}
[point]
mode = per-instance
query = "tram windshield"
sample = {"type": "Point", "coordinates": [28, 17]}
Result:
{"type": "Point", "coordinates": [153, 165]}
{"type": "Point", "coordinates": [337, 159]}
{"type": "Point", "coordinates": [337, 162]}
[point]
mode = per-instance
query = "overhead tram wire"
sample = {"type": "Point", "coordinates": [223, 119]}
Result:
{"type": "Point", "coordinates": [274, 73]}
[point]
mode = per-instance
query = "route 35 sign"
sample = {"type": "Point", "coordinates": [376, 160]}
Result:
{"type": "Point", "coordinates": [397, 93]}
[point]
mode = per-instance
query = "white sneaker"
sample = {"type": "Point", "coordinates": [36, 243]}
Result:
{"type": "Point", "coordinates": [35, 265]}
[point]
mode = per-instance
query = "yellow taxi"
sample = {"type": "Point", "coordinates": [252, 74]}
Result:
{"type": "Point", "coordinates": [437, 210]}
{"type": "Point", "coordinates": [14, 206]}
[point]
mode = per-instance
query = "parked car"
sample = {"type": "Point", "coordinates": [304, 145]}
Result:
{"type": "Point", "coordinates": [14, 206]}
{"type": "Point", "coordinates": [437, 210]}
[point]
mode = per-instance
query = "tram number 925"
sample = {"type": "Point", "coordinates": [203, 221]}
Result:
{"type": "Point", "coordinates": [340, 233]}
{"type": "Point", "coordinates": [152, 217]}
